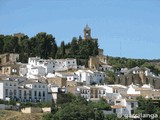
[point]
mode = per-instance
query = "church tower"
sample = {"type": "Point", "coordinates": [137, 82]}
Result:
{"type": "Point", "coordinates": [87, 33]}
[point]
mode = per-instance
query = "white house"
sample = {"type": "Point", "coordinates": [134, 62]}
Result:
{"type": "Point", "coordinates": [70, 76]}
{"type": "Point", "coordinates": [90, 77]}
{"type": "Point", "coordinates": [91, 92]}
{"type": "Point", "coordinates": [23, 70]}
{"type": "Point", "coordinates": [133, 89]}
{"type": "Point", "coordinates": [106, 68]}
{"type": "Point", "coordinates": [33, 90]}
{"type": "Point", "coordinates": [8, 89]}
{"type": "Point", "coordinates": [131, 105]}
{"type": "Point", "coordinates": [84, 91]}
{"type": "Point", "coordinates": [52, 92]}
{"type": "Point", "coordinates": [112, 93]}
{"type": "Point", "coordinates": [65, 64]}
{"type": "Point", "coordinates": [146, 91]}
{"type": "Point", "coordinates": [40, 67]}
{"type": "Point", "coordinates": [120, 105]}
{"type": "Point", "coordinates": [124, 107]}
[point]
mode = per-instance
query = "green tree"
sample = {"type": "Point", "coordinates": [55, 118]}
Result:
{"type": "Point", "coordinates": [53, 47]}
{"type": "Point", "coordinates": [65, 98]}
{"type": "Point", "coordinates": [114, 117]}
{"type": "Point", "coordinates": [95, 48]}
{"type": "Point", "coordinates": [110, 77]}
{"type": "Point", "coordinates": [148, 106]}
{"type": "Point", "coordinates": [47, 116]}
{"type": "Point", "coordinates": [62, 47]}
{"type": "Point", "coordinates": [72, 107]}
{"type": "Point", "coordinates": [43, 45]}
{"type": "Point", "coordinates": [11, 44]}
{"type": "Point", "coordinates": [100, 105]}
{"type": "Point", "coordinates": [152, 67]}
{"type": "Point", "coordinates": [131, 63]}
{"type": "Point", "coordinates": [61, 51]}
{"type": "Point", "coordinates": [25, 49]}
{"type": "Point", "coordinates": [74, 46]}
{"type": "Point", "coordinates": [1, 43]}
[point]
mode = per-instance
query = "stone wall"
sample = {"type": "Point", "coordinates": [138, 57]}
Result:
{"type": "Point", "coordinates": [138, 79]}
{"type": "Point", "coordinates": [35, 110]}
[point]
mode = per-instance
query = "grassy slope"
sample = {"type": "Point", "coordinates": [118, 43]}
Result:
{"type": "Point", "coordinates": [14, 115]}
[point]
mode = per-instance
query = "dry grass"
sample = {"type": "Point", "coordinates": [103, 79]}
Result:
{"type": "Point", "coordinates": [14, 115]}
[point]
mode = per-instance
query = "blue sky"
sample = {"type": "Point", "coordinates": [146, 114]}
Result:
{"type": "Point", "coordinates": [124, 28]}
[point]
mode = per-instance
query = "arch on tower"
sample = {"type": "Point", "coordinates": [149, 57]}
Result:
{"type": "Point", "coordinates": [87, 33]}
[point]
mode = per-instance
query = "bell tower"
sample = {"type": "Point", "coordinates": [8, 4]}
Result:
{"type": "Point", "coordinates": [87, 33]}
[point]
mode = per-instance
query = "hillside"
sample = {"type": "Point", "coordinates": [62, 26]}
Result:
{"type": "Point", "coordinates": [14, 115]}
{"type": "Point", "coordinates": [44, 45]}
{"type": "Point", "coordinates": [123, 62]}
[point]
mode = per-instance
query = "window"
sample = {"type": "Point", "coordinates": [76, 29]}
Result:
{"type": "Point", "coordinates": [132, 111]}
{"type": "Point", "coordinates": [10, 92]}
{"type": "Point", "coordinates": [25, 93]}
{"type": "Point", "coordinates": [39, 93]}
{"type": "Point", "coordinates": [114, 110]}
{"type": "Point", "coordinates": [118, 101]}
{"type": "Point", "coordinates": [14, 84]}
{"type": "Point", "coordinates": [35, 93]}
{"type": "Point", "coordinates": [13, 70]}
{"type": "Point", "coordinates": [10, 84]}
{"type": "Point", "coordinates": [39, 86]}
{"type": "Point", "coordinates": [43, 93]}
{"type": "Point", "coordinates": [30, 93]}
{"type": "Point", "coordinates": [132, 105]}
{"type": "Point", "coordinates": [20, 92]}
{"type": "Point", "coordinates": [35, 86]}
{"type": "Point", "coordinates": [82, 91]}
{"type": "Point", "coordinates": [6, 84]}
{"type": "Point", "coordinates": [15, 92]}
{"type": "Point", "coordinates": [43, 86]}
{"type": "Point", "coordinates": [6, 92]}
{"type": "Point", "coordinates": [85, 91]}
{"type": "Point", "coordinates": [91, 91]}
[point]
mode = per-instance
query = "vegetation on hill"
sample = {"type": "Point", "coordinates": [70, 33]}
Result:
{"type": "Point", "coordinates": [11, 102]}
{"type": "Point", "coordinates": [70, 107]}
{"type": "Point", "coordinates": [119, 63]}
{"type": "Point", "coordinates": [148, 106]}
{"type": "Point", "coordinates": [14, 115]}
{"type": "Point", "coordinates": [45, 46]}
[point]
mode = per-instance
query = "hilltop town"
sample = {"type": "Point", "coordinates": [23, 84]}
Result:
{"type": "Point", "coordinates": [38, 76]}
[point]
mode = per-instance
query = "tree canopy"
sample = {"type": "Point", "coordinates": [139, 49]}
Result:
{"type": "Point", "coordinates": [44, 45]}
{"type": "Point", "coordinates": [70, 107]}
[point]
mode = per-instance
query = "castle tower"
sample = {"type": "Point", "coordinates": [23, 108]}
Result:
{"type": "Point", "coordinates": [87, 33]}
{"type": "Point", "coordinates": [19, 36]}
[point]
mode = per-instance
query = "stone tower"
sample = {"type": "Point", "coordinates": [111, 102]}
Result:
{"type": "Point", "coordinates": [87, 33]}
